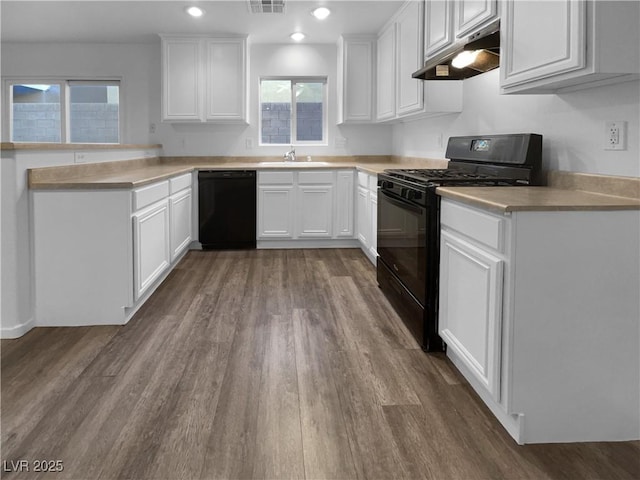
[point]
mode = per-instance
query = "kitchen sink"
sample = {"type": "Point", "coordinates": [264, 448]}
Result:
{"type": "Point", "coordinates": [293, 164]}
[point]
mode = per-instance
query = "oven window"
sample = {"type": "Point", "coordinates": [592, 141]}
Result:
{"type": "Point", "coordinates": [402, 242]}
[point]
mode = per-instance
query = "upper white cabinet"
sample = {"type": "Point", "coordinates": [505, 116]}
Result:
{"type": "Point", "coordinates": [474, 14]}
{"type": "Point", "coordinates": [356, 79]}
{"type": "Point", "coordinates": [438, 25]}
{"type": "Point", "coordinates": [583, 44]}
{"type": "Point", "coordinates": [400, 53]}
{"type": "Point", "coordinates": [409, 38]}
{"type": "Point", "coordinates": [204, 79]}
{"type": "Point", "coordinates": [449, 22]}
{"type": "Point", "coordinates": [386, 73]}
{"type": "Point", "coordinates": [181, 79]}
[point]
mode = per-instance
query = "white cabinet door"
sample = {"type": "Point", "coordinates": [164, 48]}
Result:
{"type": "Point", "coordinates": [181, 85]}
{"type": "Point", "coordinates": [409, 44]}
{"type": "Point", "coordinates": [314, 205]}
{"type": "Point", "coordinates": [344, 204]}
{"type": "Point", "coordinates": [275, 211]}
{"type": "Point", "coordinates": [151, 250]}
{"type": "Point", "coordinates": [438, 26]}
{"type": "Point", "coordinates": [527, 55]}
{"type": "Point", "coordinates": [471, 308]}
{"type": "Point", "coordinates": [373, 215]}
{"type": "Point", "coordinates": [386, 74]}
{"type": "Point", "coordinates": [355, 79]}
{"type": "Point", "coordinates": [364, 217]}
{"type": "Point", "coordinates": [226, 79]}
{"type": "Point", "coordinates": [180, 218]}
{"type": "Point", "coordinates": [475, 13]}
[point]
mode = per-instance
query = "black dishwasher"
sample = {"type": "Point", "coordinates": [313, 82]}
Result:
{"type": "Point", "coordinates": [227, 209]}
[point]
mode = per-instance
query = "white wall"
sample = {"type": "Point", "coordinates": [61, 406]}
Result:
{"type": "Point", "coordinates": [572, 124]}
{"type": "Point", "coordinates": [132, 63]}
{"type": "Point", "coordinates": [272, 60]}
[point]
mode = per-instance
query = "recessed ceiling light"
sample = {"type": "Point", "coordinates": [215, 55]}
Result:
{"type": "Point", "coordinates": [321, 13]}
{"type": "Point", "coordinates": [194, 11]}
{"type": "Point", "coordinates": [297, 36]}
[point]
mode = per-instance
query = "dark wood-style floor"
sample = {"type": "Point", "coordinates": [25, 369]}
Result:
{"type": "Point", "coordinates": [264, 364]}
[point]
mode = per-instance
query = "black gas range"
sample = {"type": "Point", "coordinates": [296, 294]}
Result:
{"type": "Point", "coordinates": [409, 219]}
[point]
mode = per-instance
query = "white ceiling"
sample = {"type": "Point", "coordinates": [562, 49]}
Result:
{"type": "Point", "coordinates": [140, 21]}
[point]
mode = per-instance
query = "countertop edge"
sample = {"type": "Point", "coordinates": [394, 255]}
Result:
{"type": "Point", "coordinates": [607, 202]}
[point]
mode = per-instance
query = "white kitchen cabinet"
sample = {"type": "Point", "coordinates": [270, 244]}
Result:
{"type": "Point", "coordinates": [344, 204]}
{"type": "Point", "coordinates": [98, 254]}
{"type": "Point", "coordinates": [276, 204]}
{"type": "Point", "coordinates": [305, 208]}
{"type": "Point", "coordinates": [386, 73]}
{"type": "Point", "coordinates": [226, 91]}
{"type": "Point", "coordinates": [151, 248]}
{"type": "Point", "coordinates": [528, 301]}
{"type": "Point", "coordinates": [364, 218]}
{"type": "Point", "coordinates": [181, 79]}
{"type": "Point", "coordinates": [409, 38]}
{"type": "Point", "coordinates": [356, 79]}
{"type": "Point", "coordinates": [180, 210]}
{"type": "Point", "coordinates": [438, 26]}
{"type": "Point", "coordinates": [451, 22]}
{"type": "Point", "coordinates": [472, 15]}
{"type": "Point", "coordinates": [367, 214]}
{"type": "Point", "coordinates": [400, 49]}
{"type": "Point", "coordinates": [314, 200]}
{"type": "Point", "coordinates": [470, 307]}
{"type": "Point", "coordinates": [204, 79]}
{"type": "Point", "coordinates": [584, 44]}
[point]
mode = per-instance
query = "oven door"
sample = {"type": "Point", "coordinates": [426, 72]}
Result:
{"type": "Point", "coordinates": [402, 230]}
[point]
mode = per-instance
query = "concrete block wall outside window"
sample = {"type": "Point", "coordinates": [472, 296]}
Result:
{"type": "Point", "coordinates": [276, 122]}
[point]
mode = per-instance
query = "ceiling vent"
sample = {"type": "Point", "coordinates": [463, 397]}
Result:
{"type": "Point", "coordinates": [266, 6]}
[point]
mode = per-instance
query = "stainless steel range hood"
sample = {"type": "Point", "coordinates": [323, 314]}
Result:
{"type": "Point", "coordinates": [483, 47]}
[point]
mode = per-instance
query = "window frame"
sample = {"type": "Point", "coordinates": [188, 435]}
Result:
{"type": "Point", "coordinates": [65, 98]}
{"type": "Point", "coordinates": [294, 115]}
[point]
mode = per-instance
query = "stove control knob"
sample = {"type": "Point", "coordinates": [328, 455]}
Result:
{"type": "Point", "coordinates": [414, 195]}
{"type": "Point", "coordinates": [386, 184]}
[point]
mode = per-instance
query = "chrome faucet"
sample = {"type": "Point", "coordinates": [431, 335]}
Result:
{"type": "Point", "coordinates": [290, 156]}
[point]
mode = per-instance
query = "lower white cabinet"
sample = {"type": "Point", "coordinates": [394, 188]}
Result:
{"type": "Point", "coordinates": [314, 211]}
{"type": "Point", "coordinates": [470, 307]}
{"type": "Point", "coordinates": [180, 208]}
{"type": "Point", "coordinates": [539, 311]}
{"type": "Point", "coordinates": [98, 254]}
{"type": "Point", "coordinates": [367, 214]}
{"type": "Point", "coordinates": [151, 249]}
{"type": "Point", "coordinates": [305, 205]}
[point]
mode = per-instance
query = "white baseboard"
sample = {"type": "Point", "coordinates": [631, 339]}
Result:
{"type": "Point", "coordinates": [17, 330]}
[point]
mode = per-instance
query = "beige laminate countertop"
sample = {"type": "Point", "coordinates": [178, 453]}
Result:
{"type": "Point", "coordinates": [512, 199]}
{"type": "Point", "coordinates": [137, 177]}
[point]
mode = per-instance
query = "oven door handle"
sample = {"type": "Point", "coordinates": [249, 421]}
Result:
{"type": "Point", "coordinates": [402, 204]}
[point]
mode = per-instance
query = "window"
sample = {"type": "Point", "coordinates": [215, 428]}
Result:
{"type": "Point", "coordinates": [65, 111]}
{"type": "Point", "coordinates": [293, 111]}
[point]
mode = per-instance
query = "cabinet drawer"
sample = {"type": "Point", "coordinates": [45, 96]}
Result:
{"type": "Point", "coordinates": [315, 177]}
{"type": "Point", "coordinates": [482, 227]}
{"type": "Point", "coordinates": [149, 194]}
{"type": "Point", "coordinates": [179, 183]}
{"type": "Point", "coordinates": [275, 178]}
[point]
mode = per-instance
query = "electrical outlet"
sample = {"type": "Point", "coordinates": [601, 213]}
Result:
{"type": "Point", "coordinates": [248, 143]}
{"type": "Point", "coordinates": [615, 135]}
{"type": "Point", "coordinates": [152, 128]}
{"type": "Point", "coordinates": [79, 157]}
{"type": "Point", "coordinates": [340, 142]}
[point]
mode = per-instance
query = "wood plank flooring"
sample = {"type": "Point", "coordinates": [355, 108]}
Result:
{"type": "Point", "coordinates": [265, 364]}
